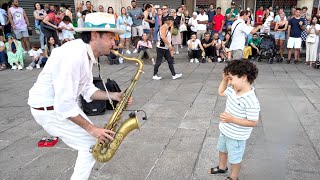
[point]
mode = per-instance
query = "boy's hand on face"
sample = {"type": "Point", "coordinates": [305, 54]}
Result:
{"type": "Point", "coordinates": [226, 117]}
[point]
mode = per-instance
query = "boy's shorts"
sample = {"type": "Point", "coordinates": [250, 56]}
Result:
{"type": "Point", "coordinates": [234, 148]}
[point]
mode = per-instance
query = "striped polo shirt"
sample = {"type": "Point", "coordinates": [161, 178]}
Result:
{"type": "Point", "coordinates": [245, 106]}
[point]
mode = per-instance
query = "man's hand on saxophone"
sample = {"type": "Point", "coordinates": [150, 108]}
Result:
{"type": "Point", "coordinates": [102, 95]}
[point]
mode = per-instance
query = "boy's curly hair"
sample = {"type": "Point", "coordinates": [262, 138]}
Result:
{"type": "Point", "coordinates": [242, 67]}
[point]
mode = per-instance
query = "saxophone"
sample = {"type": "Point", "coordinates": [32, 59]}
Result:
{"type": "Point", "coordinates": [104, 152]}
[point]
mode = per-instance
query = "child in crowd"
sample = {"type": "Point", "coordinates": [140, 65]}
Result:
{"type": "Point", "coordinates": [241, 114]}
{"type": "Point", "coordinates": [14, 52]}
{"type": "Point", "coordinates": [193, 46]}
{"type": "Point", "coordinates": [3, 57]}
{"type": "Point", "coordinates": [67, 28]}
{"type": "Point", "coordinates": [144, 47]}
{"type": "Point", "coordinates": [36, 55]}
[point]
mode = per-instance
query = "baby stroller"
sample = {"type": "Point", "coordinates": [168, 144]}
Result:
{"type": "Point", "coordinates": [268, 48]}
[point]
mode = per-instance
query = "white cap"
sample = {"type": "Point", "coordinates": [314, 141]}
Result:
{"type": "Point", "coordinates": [194, 13]}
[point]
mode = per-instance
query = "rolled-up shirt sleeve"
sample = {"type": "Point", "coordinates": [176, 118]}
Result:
{"type": "Point", "coordinates": [89, 90]}
{"type": "Point", "coordinates": [66, 78]}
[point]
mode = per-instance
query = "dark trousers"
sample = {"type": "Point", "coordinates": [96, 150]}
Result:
{"type": "Point", "coordinates": [166, 54]}
{"type": "Point", "coordinates": [195, 54]}
{"type": "Point", "coordinates": [50, 33]}
{"type": "Point", "coordinates": [210, 51]}
{"type": "Point", "coordinates": [254, 52]}
{"type": "Point", "coordinates": [186, 36]}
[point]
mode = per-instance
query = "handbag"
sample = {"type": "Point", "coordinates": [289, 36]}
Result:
{"type": "Point", "coordinates": [128, 28]}
{"type": "Point", "coordinates": [183, 28]}
{"type": "Point", "coordinates": [228, 43]}
{"type": "Point", "coordinates": [145, 24]}
{"type": "Point", "coordinates": [175, 31]}
{"type": "Point", "coordinates": [311, 38]}
{"type": "Point", "coordinates": [47, 27]}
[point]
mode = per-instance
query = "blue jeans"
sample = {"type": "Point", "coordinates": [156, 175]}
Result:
{"type": "Point", "coordinates": [3, 57]}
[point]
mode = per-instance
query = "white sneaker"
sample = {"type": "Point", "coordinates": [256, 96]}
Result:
{"type": "Point", "coordinates": [177, 52]}
{"type": "Point", "coordinates": [29, 68]}
{"type": "Point", "coordinates": [191, 60]}
{"type": "Point", "coordinates": [181, 46]}
{"type": "Point", "coordinates": [121, 60]}
{"type": "Point", "coordinates": [135, 51]}
{"type": "Point", "coordinates": [14, 67]}
{"type": "Point", "coordinates": [155, 77]}
{"type": "Point", "coordinates": [219, 59]}
{"type": "Point", "coordinates": [128, 51]}
{"type": "Point", "coordinates": [20, 67]}
{"type": "Point", "coordinates": [176, 76]}
{"type": "Point", "coordinates": [38, 66]}
{"type": "Point", "coordinates": [196, 60]}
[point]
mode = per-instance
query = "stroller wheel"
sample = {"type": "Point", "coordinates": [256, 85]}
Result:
{"type": "Point", "coordinates": [259, 59]}
{"type": "Point", "coordinates": [270, 61]}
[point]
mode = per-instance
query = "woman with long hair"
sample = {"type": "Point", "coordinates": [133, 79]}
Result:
{"type": "Point", "coordinates": [39, 15]}
{"type": "Point", "coordinates": [124, 22]}
{"type": "Point", "coordinates": [312, 41]}
{"type": "Point", "coordinates": [227, 53]}
{"type": "Point", "coordinates": [280, 35]}
{"type": "Point", "coordinates": [176, 37]}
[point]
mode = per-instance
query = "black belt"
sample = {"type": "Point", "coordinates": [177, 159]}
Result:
{"type": "Point", "coordinates": [49, 108]}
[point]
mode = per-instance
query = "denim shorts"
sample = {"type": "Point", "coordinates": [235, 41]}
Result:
{"type": "Point", "coordinates": [280, 35]}
{"type": "Point", "coordinates": [234, 148]}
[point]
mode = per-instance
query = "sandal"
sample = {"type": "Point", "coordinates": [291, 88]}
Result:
{"type": "Point", "coordinates": [217, 170]}
{"type": "Point", "coordinates": [229, 178]}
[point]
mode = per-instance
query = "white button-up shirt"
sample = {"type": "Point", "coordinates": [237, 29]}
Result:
{"type": "Point", "coordinates": [66, 75]}
{"type": "Point", "coordinates": [240, 34]}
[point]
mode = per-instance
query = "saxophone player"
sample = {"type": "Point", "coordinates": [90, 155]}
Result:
{"type": "Point", "coordinates": [66, 75]}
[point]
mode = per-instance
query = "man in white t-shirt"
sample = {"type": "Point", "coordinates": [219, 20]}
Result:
{"type": "Point", "coordinates": [240, 31]}
{"type": "Point", "coordinates": [194, 46]}
{"type": "Point", "coordinates": [202, 20]}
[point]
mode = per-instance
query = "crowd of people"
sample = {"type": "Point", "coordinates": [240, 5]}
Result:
{"type": "Point", "coordinates": [209, 35]}
{"type": "Point", "coordinates": [218, 36]}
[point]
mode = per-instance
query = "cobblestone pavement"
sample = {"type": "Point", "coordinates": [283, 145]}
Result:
{"type": "Point", "coordinates": [178, 141]}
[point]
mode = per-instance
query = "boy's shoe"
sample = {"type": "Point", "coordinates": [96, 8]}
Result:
{"type": "Point", "coordinates": [20, 67]}
{"type": "Point", "coordinates": [38, 66]}
{"type": "Point", "coordinates": [29, 68]}
{"type": "Point", "coordinates": [135, 51]}
{"type": "Point", "coordinates": [191, 60]}
{"type": "Point", "coordinates": [128, 51]}
{"type": "Point", "coordinates": [217, 170]}
{"type": "Point", "coordinates": [14, 67]}
{"type": "Point", "coordinates": [156, 77]}
{"type": "Point", "coordinates": [196, 60]}
{"type": "Point", "coordinates": [219, 59]}
{"type": "Point", "coordinates": [176, 76]}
